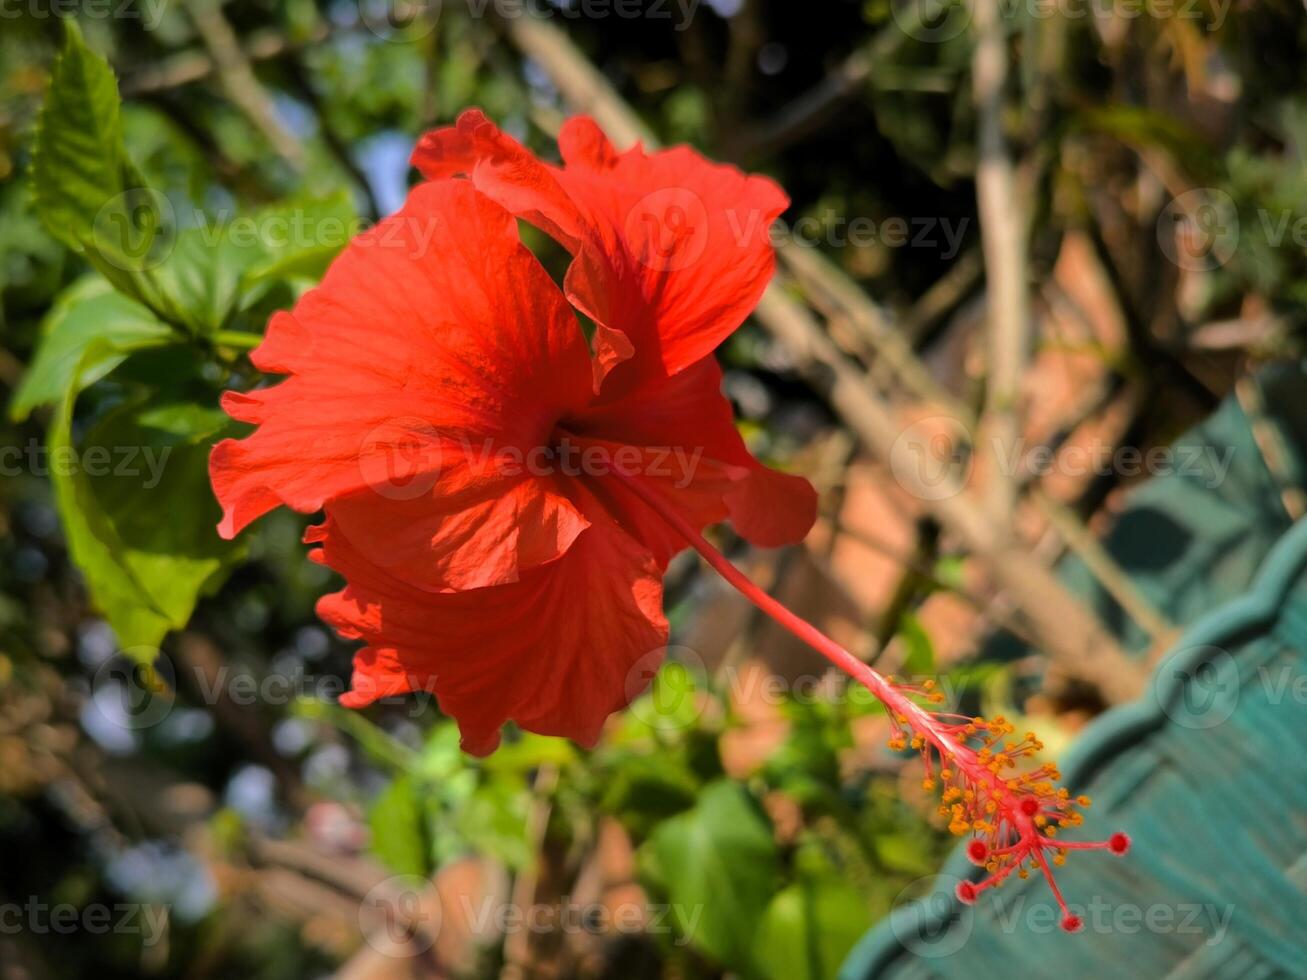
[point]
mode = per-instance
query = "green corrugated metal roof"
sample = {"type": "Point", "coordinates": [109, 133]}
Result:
{"type": "Point", "coordinates": [1208, 773]}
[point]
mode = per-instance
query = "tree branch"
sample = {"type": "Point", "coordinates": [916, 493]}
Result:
{"type": "Point", "coordinates": [1003, 239]}
{"type": "Point", "coordinates": [238, 79]}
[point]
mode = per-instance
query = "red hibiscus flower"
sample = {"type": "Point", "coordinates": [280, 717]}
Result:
{"type": "Point", "coordinates": [503, 488]}
{"type": "Point", "coordinates": [472, 452]}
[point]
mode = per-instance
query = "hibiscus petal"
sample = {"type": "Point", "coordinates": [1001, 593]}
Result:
{"type": "Point", "coordinates": [452, 545]}
{"type": "Point", "coordinates": [520, 182]}
{"type": "Point", "coordinates": [435, 343]}
{"type": "Point", "coordinates": [692, 456]}
{"type": "Point", "coordinates": [671, 250]}
{"type": "Point", "coordinates": [557, 652]}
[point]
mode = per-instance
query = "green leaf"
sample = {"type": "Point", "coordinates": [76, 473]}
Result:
{"type": "Point", "coordinates": [530, 752]}
{"type": "Point", "coordinates": [903, 852]}
{"type": "Point", "coordinates": [810, 927]}
{"type": "Point", "coordinates": [138, 513]}
{"type": "Point", "coordinates": [88, 312]}
{"type": "Point", "coordinates": [398, 826]}
{"type": "Point", "coordinates": [493, 822]}
{"type": "Point", "coordinates": [31, 262]}
{"type": "Point", "coordinates": [88, 193]}
{"type": "Point", "coordinates": [643, 790]}
{"type": "Point", "coordinates": [79, 161]}
{"type": "Point", "coordinates": [919, 652]}
{"type": "Point", "coordinates": [203, 277]}
{"type": "Point", "coordinates": [209, 273]}
{"type": "Point", "coordinates": [91, 197]}
{"type": "Point", "coordinates": [718, 864]}
{"type": "Point", "coordinates": [300, 237]}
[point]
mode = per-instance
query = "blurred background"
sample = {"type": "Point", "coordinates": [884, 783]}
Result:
{"type": "Point", "coordinates": [1034, 335]}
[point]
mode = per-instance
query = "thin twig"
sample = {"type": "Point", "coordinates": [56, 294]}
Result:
{"type": "Point", "coordinates": [196, 65]}
{"type": "Point", "coordinates": [812, 109]}
{"type": "Point", "coordinates": [1003, 239]}
{"type": "Point", "coordinates": [817, 106]}
{"type": "Point", "coordinates": [1105, 569]}
{"type": "Point", "coordinates": [817, 275]}
{"type": "Point", "coordinates": [941, 297]}
{"type": "Point", "coordinates": [336, 144]}
{"type": "Point", "coordinates": [518, 943]}
{"type": "Point", "coordinates": [238, 79]}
